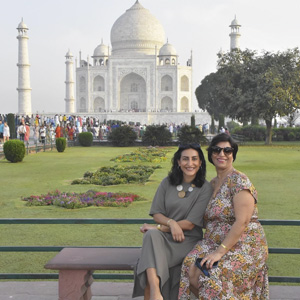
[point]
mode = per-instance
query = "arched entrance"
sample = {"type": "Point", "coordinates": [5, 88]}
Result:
{"type": "Point", "coordinates": [184, 105]}
{"type": "Point", "coordinates": [133, 93]}
{"type": "Point", "coordinates": [166, 104]}
{"type": "Point", "coordinates": [82, 105]}
{"type": "Point", "coordinates": [99, 104]}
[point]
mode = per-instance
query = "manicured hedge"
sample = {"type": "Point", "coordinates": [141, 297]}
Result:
{"type": "Point", "coordinates": [190, 134]}
{"type": "Point", "coordinates": [61, 144]}
{"type": "Point", "coordinates": [14, 150]}
{"type": "Point", "coordinates": [258, 133]}
{"type": "Point", "coordinates": [122, 136]}
{"type": "Point", "coordinates": [85, 139]}
{"type": "Point", "coordinates": [157, 135]}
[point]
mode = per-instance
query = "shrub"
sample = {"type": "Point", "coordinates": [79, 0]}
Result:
{"type": "Point", "coordinates": [14, 150]}
{"type": "Point", "coordinates": [188, 134]}
{"type": "Point", "coordinates": [286, 134]}
{"type": "Point", "coordinates": [60, 144]}
{"type": "Point", "coordinates": [122, 136]}
{"type": "Point", "coordinates": [193, 121]}
{"type": "Point", "coordinates": [85, 139]}
{"type": "Point", "coordinates": [231, 125]}
{"type": "Point", "coordinates": [12, 126]}
{"type": "Point", "coordinates": [292, 136]}
{"type": "Point", "coordinates": [80, 200]}
{"type": "Point", "coordinates": [151, 154]}
{"type": "Point", "coordinates": [252, 133]}
{"type": "Point", "coordinates": [157, 135]}
{"type": "Point", "coordinates": [117, 175]}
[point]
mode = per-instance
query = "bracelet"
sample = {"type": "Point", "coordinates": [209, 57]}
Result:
{"type": "Point", "coordinates": [159, 227]}
{"type": "Point", "coordinates": [224, 246]}
{"type": "Point", "coordinates": [168, 223]}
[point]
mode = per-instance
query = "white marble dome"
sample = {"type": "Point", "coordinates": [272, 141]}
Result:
{"type": "Point", "coordinates": [101, 50]}
{"type": "Point", "coordinates": [235, 22]}
{"type": "Point", "coordinates": [22, 25]}
{"type": "Point", "coordinates": [136, 31]}
{"type": "Point", "coordinates": [167, 50]}
{"type": "Point", "coordinates": [69, 54]}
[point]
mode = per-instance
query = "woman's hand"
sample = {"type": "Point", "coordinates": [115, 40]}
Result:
{"type": "Point", "coordinates": [211, 258]}
{"type": "Point", "coordinates": [176, 232]}
{"type": "Point", "coordinates": [146, 227]}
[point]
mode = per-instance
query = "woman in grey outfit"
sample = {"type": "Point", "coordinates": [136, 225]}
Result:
{"type": "Point", "coordinates": [177, 208]}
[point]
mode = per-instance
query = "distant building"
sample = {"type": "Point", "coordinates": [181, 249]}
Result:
{"type": "Point", "coordinates": [139, 73]}
{"type": "Point", "coordinates": [24, 89]}
{"type": "Point", "coordinates": [235, 34]}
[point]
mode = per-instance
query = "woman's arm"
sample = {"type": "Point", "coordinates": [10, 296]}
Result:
{"type": "Point", "coordinates": [243, 203]}
{"type": "Point", "coordinates": [169, 225]}
{"type": "Point", "coordinates": [176, 228]}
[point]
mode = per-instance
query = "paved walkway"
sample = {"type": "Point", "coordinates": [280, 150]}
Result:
{"type": "Point", "coordinates": [47, 290]}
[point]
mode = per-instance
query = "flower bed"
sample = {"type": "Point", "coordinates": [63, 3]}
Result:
{"type": "Point", "coordinates": [151, 154]}
{"type": "Point", "coordinates": [117, 175]}
{"type": "Point", "coordinates": [80, 200]}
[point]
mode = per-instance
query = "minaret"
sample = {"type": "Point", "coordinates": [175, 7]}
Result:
{"type": "Point", "coordinates": [24, 90]}
{"type": "Point", "coordinates": [70, 100]}
{"type": "Point", "coordinates": [235, 34]}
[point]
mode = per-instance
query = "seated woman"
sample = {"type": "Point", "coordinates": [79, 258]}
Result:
{"type": "Point", "coordinates": [178, 208]}
{"type": "Point", "coordinates": [234, 237]}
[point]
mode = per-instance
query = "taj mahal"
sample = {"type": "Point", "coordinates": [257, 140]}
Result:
{"type": "Point", "coordinates": [138, 78]}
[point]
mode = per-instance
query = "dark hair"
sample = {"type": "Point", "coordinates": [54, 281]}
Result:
{"type": "Point", "coordinates": [176, 175]}
{"type": "Point", "coordinates": [222, 137]}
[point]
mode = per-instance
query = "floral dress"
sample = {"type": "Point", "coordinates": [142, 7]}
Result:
{"type": "Point", "coordinates": [242, 271]}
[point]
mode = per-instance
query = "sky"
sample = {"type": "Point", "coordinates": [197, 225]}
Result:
{"type": "Point", "coordinates": [200, 26]}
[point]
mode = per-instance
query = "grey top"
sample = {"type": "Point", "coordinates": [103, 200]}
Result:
{"type": "Point", "coordinates": [192, 207]}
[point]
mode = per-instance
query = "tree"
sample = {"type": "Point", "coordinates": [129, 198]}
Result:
{"type": "Point", "coordinates": [211, 96]}
{"type": "Point", "coordinates": [248, 86]}
{"type": "Point", "coordinates": [278, 86]}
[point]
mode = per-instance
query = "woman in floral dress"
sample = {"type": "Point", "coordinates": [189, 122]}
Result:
{"type": "Point", "coordinates": [234, 237]}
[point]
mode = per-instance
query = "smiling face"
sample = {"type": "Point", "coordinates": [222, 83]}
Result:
{"type": "Point", "coordinates": [190, 164]}
{"type": "Point", "coordinates": [222, 160]}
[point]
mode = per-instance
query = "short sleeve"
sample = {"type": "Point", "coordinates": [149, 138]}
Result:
{"type": "Point", "coordinates": [240, 182]}
{"type": "Point", "coordinates": [196, 213]}
{"type": "Point", "coordinates": [158, 203]}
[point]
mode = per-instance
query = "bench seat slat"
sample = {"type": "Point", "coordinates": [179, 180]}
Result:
{"type": "Point", "coordinates": [95, 259]}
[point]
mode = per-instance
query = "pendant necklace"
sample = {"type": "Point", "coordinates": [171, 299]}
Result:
{"type": "Point", "coordinates": [182, 193]}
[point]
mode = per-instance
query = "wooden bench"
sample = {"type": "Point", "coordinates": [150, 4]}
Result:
{"type": "Point", "coordinates": [76, 267]}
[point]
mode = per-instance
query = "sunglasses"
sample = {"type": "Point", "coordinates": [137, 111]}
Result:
{"type": "Point", "coordinates": [217, 150]}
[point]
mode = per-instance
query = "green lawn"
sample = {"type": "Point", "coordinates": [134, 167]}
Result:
{"type": "Point", "coordinates": [273, 170]}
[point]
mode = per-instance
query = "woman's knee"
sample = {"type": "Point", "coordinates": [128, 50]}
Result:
{"type": "Point", "coordinates": [152, 234]}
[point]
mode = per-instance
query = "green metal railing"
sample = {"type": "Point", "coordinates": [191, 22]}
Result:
{"type": "Point", "coordinates": [116, 222]}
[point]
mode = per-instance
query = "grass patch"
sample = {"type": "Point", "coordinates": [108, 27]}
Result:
{"type": "Point", "coordinates": [274, 170]}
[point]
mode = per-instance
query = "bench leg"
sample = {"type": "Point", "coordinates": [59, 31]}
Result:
{"type": "Point", "coordinates": [75, 285]}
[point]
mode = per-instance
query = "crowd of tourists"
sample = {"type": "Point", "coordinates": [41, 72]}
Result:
{"type": "Point", "coordinates": [45, 128]}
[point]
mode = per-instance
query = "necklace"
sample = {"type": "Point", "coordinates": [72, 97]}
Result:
{"type": "Point", "coordinates": [182, 193]}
